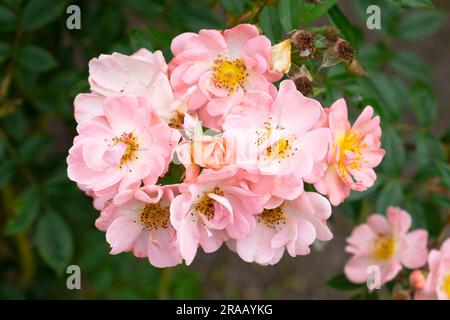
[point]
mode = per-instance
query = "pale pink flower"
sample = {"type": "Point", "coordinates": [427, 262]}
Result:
{"type": "Point", "coordinates": [385, 242]}
{"type": "Point", "coordinates": [437, 285]}
{"type": "Point", "coordinates": [127, 144]}
{"type": "Point", "coordinates": [139, 221]}
{"type": "Point", "coordinates": [291, 225]}
{"type": "Point", "coordinates": [354, 152]}
{"type": "Point", "coordinates": [216, 206]}
{"type": "Point", "coordinates": [221, 66]}
{"type": "Point", "coordinates": [281, 138]}
{"type": "Point", "coordinates": [142, 74]}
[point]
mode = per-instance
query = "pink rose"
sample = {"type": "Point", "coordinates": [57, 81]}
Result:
{"type": "Point", "coordinates": [385, 242]}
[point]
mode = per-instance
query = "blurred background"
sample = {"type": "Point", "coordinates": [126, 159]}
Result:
{"type": "Point", "coordinates": [47, 223]}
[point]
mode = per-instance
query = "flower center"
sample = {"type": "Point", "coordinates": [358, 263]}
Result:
{"type": "Point", "coordinates": [205, 206]}
{"type": "Point", "coordinates": [384, 248]}
{"type": "Point", "coordinates": [445, 285]}
{"type": "Point", "coordinates": [229, 74]}
{"type": "Point", "coordinates": [351, 142]}
{"type": "Point", "coordinates": [153, 217]}
{"type": "Point", "coordinates": [177, 120]}
{"type": "Point", "coordinates": [129, 139]}
{"type": "Point", "coordinates": [281, 149]}
{"type": "Point", "coordinates": [272, 218]}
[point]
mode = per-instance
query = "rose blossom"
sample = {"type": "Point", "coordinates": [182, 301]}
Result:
{"type": "Point", "coordinates": [221, 66]}
{"type": "Point", "coordinates": [437, 285]}
{"type": "Point", "coordinates": [354, 152]}
{"type": "Point", "coordinates": [215, 206]}
{"type": "Point", "coordinates": [282, 138]}
{"type": "Point", "coordinates": [139, 221]}
{"type": "Point", "coordinates": [127, 144]}
{"type": "Point", "coordinates": [291, 225]}
{"type": "Point", "coordinates": [385, 242]}
{"type": "Point", "coordinates": [142, 74]}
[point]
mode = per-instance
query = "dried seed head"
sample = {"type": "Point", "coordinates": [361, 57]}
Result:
{"type": "Point", "coordinates": [304, 42]}
{"type": "Point", "coordinates": [345, 50]}
{"type": "Point", "coordinates": [304, 85]}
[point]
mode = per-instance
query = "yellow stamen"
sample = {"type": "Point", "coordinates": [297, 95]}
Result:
{"type": "Point", "coordinates": [384, 248]}
{"type": "Point", "coordinates": [205, 206]}
{"type": "Point", "coordinates": [272, 218]}
{"type": "Point", "coordinates": [229, 74]}
{"type": "Point", "coordinates": [281, 149]}
{"type": "Point", "coordinates": [445, 285]}
{"type": "Point", "coordinates": [353, 142]}
{"type": "Point", "coordinates": [153, 217]}
{"type": "Point", "coordinates": [129, 139]}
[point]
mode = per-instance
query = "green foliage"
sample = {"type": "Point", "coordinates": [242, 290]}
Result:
{"type": "Point", "coordinates": [341, 282]}
{"type": "Point", "coordinates": [49, 223]}
{"type": "Point", "coordinates": [54, 241]}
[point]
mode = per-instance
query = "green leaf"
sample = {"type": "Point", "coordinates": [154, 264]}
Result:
{"type": "Point", "coordinates": [4, 51]}
{"type": "Point", "coordinates": [7, 19]}
{"type": "Point", "coordinates": [196, 16]}
{"type": "Point", "coordinates": [26, 207]}
{"type": "Point", "coordinates": [289, 14]}
{"type": "Point", "coordinates": [235, 6]}
{"type": "Point", "coordinates": [433, 219]}
{"type": "Point", "coordinates": [340, 282]}
{"type": "Point", "coordinates": [390, 195]}
{"type": "Point", "coordinates": [419, 24]}
{"type": "Point", "coordinates": [389, 96]}
{"type": "Point", "coordinates": [140, 39]}
{"type": "Point", "coordinates": [418, 214]}
{"type": "Point", "coordinates": [311, 11]}
{"type": "Point", "coordinates": [36, 59]}
{"type": "Point", "coordinates": [444, 172]}
{"type": "Point", "coordinates": [38, 13]}
{"type": "Point", "coordinates": [54, 241]}
{"type": "Point", "coordinates": [440, 200]}
{"type": "Point", "coordinates": [428, 149]}
{"type": "Point", "coordinates": [173, 176]}
{"type": "Point", "coordinates": [349, 32]}
{"type": "Point", "coordinates": [423, 103]}
{"type": "Point", "coordinates": [395, 157]}
{"type": "Point", "coordinates": [270, 24]}
{"type": "Point", "coordinates": [6, 172]}
{"type": "Point", "coordinates": [410, 66]}
{"type": "Point", "coordinates": [413, 3]}
{"type": "Point", "coordinates": [34, 147]}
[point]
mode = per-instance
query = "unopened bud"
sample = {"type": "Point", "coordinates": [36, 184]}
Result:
{"type": "Point", "coordinates": [344, 50]}
{"type": "Point", "coordinates": [417, 280]}
{"type": "Point", "coordinates": [304, 42]}
{"type": "Point", "coordinates": [355, 68]}
{"type": "Point", "coordinates": [280, 60]}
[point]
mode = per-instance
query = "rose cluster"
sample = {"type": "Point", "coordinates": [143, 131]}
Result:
{"type": "Point", "coordinates": [246, 149]}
